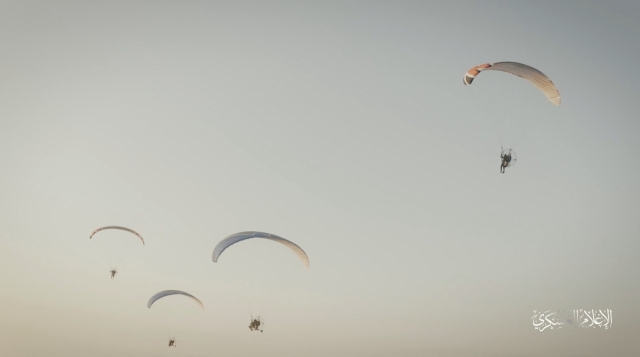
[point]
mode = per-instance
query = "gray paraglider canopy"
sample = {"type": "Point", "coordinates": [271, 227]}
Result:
{"type": "Point", "coordinates": [165, 293]}
{"type": "Point", "coordinates": [238, 237]}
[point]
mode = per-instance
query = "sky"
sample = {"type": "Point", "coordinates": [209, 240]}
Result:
{"type": "Point", "coordinates": [343, 126]}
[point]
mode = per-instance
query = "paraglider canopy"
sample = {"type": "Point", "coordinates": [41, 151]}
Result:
{"type": "Point", "coordinates": [165, 293]}
{"type": "Point", "coordinates": [238, 237]}
{"type": "Point", "coordinates": [537, 78]}
{"type": "Point", "coordinates": [117, 227]}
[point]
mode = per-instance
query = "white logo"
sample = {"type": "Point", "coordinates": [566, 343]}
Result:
{"type": "Point", "coordinates": [576, 318]}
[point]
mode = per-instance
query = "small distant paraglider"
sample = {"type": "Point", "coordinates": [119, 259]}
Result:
{"type": "Point", "coordinates": [539, 79]}
{"type": "Point", "coordinates": [114, 271]}
{"type": "Point", "coordinates": [255, 324]}
{"type": "Point", "coordinates": [238, 237]}
{"type": "Point", "coordinates": [165, 293]}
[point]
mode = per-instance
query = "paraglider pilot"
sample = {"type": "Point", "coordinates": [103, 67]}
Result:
{"type": "Point", "coordinates": [172, 343]}
{"type": "Point", "coordinates": [506, 159]}
{"type": "Point", "coordinates": [113, 273]}
{"type": "Point", "coordinates": [255, 324]}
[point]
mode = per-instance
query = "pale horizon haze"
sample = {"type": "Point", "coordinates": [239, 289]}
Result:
{"type": "Point", "coordinates": [343, 126]}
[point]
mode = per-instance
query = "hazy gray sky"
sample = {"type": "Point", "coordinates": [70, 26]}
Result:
{"type": "Point", "coordinates": [343, 126]}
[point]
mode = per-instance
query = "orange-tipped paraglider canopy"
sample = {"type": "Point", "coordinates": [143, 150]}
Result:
{"type": "Point", "coordinates": [539, 79]}
{"type": "Point", "coordinates": [116, 227]}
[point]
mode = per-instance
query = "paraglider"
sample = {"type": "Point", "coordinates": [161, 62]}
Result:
{"type": "Point", "coordinates": [165, 293]}
{"type": "Point", "coordinates": [508, 158]}
{"type": "Point", "coordinates": [539, 79]}
{"type": "Point", "coordinates": [238, 237]}
{"type": "Point", "coordinates": [113, 271]}
{"type": "Point", "coordinates": [255, 324]}
{"type": "Point", "coordinates": [117, 227]}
